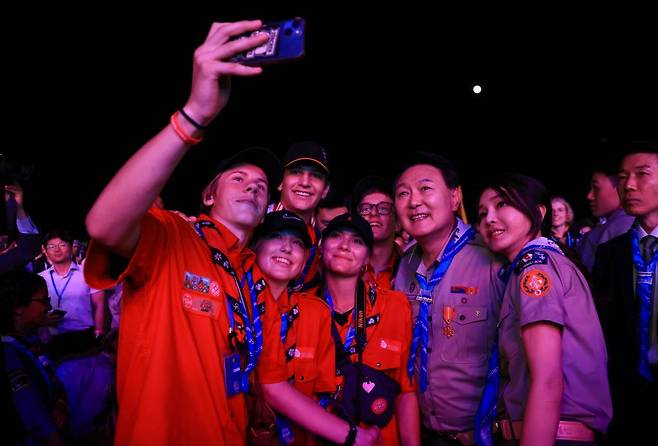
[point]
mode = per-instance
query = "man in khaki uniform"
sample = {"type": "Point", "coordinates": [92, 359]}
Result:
{"type": "Point", "coordinates": [451, 280]}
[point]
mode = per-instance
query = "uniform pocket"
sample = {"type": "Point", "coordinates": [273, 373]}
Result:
{"type": "Point", "coordinates": [306, 374]}
{"type": "Point", "coordinates": [383, 354]}
{"type": "Point", "coordinates": [469, 343]}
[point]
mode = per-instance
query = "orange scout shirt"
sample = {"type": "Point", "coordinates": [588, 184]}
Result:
{"type": "Point", "coordinates": [174, 334]}
{"type": "Point", "coordinates": [383, 280]}
{"type": "Point", "coordinates": [388, 334]}
{"type": "Point", "coordinates": [309, 349]}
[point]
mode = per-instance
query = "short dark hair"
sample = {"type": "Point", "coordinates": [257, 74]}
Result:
{"type": "Point", "coordinates": [60, 234]}
{"type": "Point", "coordinates": [640, 146]}
{"type": "Point", "coordinates": [16, 290]}
{"type": "Point", "coordinates": [525, 194]}
{"type": "Point", "coordinates": [447, 169]}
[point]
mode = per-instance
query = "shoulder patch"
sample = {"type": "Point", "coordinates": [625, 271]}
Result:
{"type": "Point", "coordinates": [535, 283]}
{"type": "Point", "coordinates": [532, 257]}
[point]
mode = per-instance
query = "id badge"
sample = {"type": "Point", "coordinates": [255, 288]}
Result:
{"type": "Point", "coordinates": [232, 374]}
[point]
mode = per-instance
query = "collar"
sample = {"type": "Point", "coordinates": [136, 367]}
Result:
{"type": "Point", "coordinates": [227, 242]}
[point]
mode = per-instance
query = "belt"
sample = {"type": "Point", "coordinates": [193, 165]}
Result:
{"type": "Point", "coordinates": [566, 430]}
{"type": "Point", "coordinates": [466, 438]}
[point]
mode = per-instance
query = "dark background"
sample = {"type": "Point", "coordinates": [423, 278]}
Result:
{"type": "Point", "coordinates": [84, 89]}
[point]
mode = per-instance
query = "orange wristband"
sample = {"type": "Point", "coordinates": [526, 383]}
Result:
{"type": "Point", "coordinates": [187, 139]}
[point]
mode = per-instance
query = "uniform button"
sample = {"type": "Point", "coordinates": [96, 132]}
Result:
{"type": "Point", "coordinates": [429, 318]}
{"type": "Point", "coordinates": [429, 349]}
{"type": "Point", "coordinates": [433, 413]}
{"type": "Point", "coordinates": [301, 378]}
{"type": "Point", "coordinates": [464, 300]}
{"type": "Point", "coordinates": [379, 364]}
{"type": "Point", "coordinates": [462, 317]}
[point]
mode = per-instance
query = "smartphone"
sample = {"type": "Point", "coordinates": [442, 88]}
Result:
{"type": "Point", "coordinates": [285, 42]}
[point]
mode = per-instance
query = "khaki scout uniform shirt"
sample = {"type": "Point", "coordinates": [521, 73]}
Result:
{"type": "Point", "coordinates": [457, 365]}
{"type": "Point", "coordinates": [546, 286]}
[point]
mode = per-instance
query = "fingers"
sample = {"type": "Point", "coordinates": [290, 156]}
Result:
{"type": "Point", "coordinates": [222, 32]}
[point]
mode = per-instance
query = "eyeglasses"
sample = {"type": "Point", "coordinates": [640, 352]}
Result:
{"type": "Point", "coordinates": [61, 245]}
{"type": "Point", "coordinates": [44, 300]}
{"type": "Point", "coordinates": [383, 208]}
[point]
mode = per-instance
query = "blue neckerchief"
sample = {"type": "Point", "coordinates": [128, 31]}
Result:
{"type": "Point", "coordinates": [421, 328]}
{"type": "Point", "coordinates": [351, 331]}
{"type": "Point", "coordinates": [644, 279]}
{"type": "Point", "coordinates": [486, 412]}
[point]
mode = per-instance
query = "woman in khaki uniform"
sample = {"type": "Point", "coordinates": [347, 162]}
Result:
{"type": "Point", "coordinates": [550, 336]}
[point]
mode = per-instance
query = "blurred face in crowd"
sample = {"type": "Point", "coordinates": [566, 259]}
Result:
{"type": "Point", "coordinates": [58, 251]}
{"type": "Point", "coordinates": [603, 197]}
{"type": "Point", "coordinates": [35, 314]}
{"type": "Point", "coordinates": [425, 205]}
{"type": "Point", "coordinates": [559, 213]}
{"type": "Point", "coordinates": [638, 184]}
{"type": "Point", "coordinates": [379, 210]}
{"type": "Point", "coordinates": [325, 215]}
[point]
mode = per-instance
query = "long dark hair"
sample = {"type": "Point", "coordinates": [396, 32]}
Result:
{"type": "Point", "coordinates": [525, 194]}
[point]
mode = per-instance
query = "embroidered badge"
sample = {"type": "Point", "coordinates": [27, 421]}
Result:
{"type": "Point", "coordinates": [379, 406]}
{"type": "Point", "coordinates": [468, 290]}
{"type": "Point", "coordinates": [196, 283]}
{"type": "Point", "coordinates": [214, 288]}
{"type": "Point", "coordinates": [535, 283]}
{"type": "Point", "coordinates": [533, 257]}
{"type": "Point", "coordinates": [200, 305]}
{"type": "Point", "coordinates": [390, 344]}
{"type": "Point", "coordinates": [372, 320]}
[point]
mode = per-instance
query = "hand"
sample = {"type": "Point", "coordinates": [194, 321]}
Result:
{"type": "Point", "coordinates": [16, 191]}
{"type": "Point", "coordinates": [367, 436]}
{"type": "Point", "coordinates": [189, 219]}
{"type": "Point", "coordinates": [212, 68]}
{"type": "Point", "coordinates": [60, 414]}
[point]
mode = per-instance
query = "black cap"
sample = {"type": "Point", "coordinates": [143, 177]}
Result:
{"type": "Point", "coordinates": [354, 222]}
{"type": "Point", "coordinates": [368, 185]}
{"type": "Point", "coordinates": [283, 220]}
{"type": "Point", "coordinates": [448, 170]}
{"type": "Point", "coordinates": [257, 156]}
{"type": "Point", "coordinates": [307, 151]}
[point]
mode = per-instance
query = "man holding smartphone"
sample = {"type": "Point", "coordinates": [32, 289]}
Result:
{"type": "Point", "coordinates": [195, 328]}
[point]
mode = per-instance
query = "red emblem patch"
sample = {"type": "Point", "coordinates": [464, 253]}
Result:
{"type": "Point", "coordinates": [535, 283]}
{"type": "Point", "coordinates": [379, 406]}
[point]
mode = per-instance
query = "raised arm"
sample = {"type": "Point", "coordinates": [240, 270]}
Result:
{"type": "Point", "coordinates": [114, 218]}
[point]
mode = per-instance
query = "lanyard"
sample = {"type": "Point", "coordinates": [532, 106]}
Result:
{"type": "Point", "coordinates": [60, 295]}
{"type": "Point", "coordinates": [253, 326]}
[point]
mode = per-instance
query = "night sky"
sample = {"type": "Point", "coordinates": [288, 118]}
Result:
{"type": "Point", "coordinates": [559, 88]}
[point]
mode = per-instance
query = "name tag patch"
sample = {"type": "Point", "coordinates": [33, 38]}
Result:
{"type": "Point", "coordinates": [200, 305]}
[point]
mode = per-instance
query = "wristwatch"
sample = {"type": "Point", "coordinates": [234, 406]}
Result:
{"type": "Point", "coordinates": [351, 435]}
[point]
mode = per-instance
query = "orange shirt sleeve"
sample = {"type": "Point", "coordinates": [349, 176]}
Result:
{"type": "Point", "coordinates": [104, 269]}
